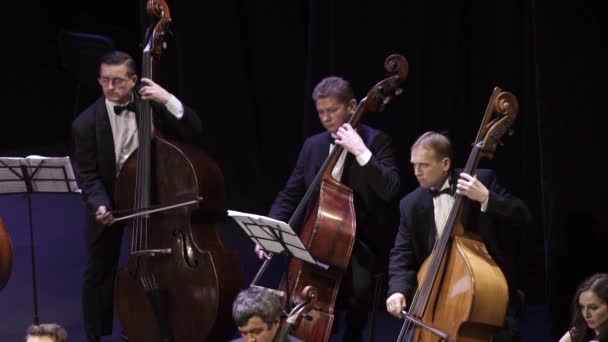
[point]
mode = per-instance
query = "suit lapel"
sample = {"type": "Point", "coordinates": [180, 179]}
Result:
{"type": "Point", "coordinates": [427, 218]}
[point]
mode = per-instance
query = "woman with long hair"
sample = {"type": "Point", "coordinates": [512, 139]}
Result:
{"type": "Point", "coordinates": [590, 311]}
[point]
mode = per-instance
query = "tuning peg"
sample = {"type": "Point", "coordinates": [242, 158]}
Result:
{"type": "Point", "coordinates": [398, 91]}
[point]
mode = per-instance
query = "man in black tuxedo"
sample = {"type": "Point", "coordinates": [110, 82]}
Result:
{"type": "Point", "coordinates": [490, 212]}
{"type": "Point", "coordinates": [367, 166]}
{"type": "Point", "coordinates": [105, 135]}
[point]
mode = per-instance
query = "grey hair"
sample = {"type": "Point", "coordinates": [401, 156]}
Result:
{"type": "Point", "coordinates": [52, 330]}
{"type": "Point", "coordinates": [437, 142]}
{"type": "Point", "coordinates": [256, 301]}
{"type": "Point", "coordinates": [333, 86]}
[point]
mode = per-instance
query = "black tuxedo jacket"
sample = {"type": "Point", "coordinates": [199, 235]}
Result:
{"type": "Point", "coordinates": [499, 227]}
{"type": "Point", "coordinates": [375, 186]}
{"type": "Point", "coordinates": [94, 161]}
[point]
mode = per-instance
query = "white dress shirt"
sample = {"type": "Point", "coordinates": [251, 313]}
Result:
{"type": "Point", "coordinates": [442, 205]}
{"type": "Point", "coordinates": [362, 159]}
{"type": "Point", "coordinates": [124, 129]}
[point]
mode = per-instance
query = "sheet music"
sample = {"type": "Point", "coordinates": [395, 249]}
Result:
{"type": "Point", "coordinates": [11, 176]}
{"type": "Point", "coordinates": [273, 235]}
{"type": "Point", "coordinates": [55, 175]}
{"type": "Point", "coordinates": [47, 174]}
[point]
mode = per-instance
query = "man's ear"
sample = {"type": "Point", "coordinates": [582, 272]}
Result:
{"type": "Point", "coordinates": [352, 104]}
{"type": "Point", "coordinates": [446, 163]}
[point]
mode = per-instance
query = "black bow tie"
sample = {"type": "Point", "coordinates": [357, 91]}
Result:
{"type": "Point", "coordinates": [129, 107]}
{"type": "Point", "coordinates": [436, 193]}
{"type": "Point", "coordinates": [332, 139]}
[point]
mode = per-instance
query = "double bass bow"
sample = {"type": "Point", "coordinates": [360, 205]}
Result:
{"type": "Point", "coordinates": [328, 230]}
{"type": "Point", "coordinates": [179, 282]}
{"type": "Point", "coordinates": [6, 255]}
{"type": "Point", "coordinates": [462, 293]}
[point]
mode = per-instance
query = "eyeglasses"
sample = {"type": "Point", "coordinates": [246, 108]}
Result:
{"type": "Point", "coordinates": [116, 81]}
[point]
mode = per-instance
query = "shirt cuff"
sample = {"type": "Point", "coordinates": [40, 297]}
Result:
{"type": "Point", "coordinates": [175, 107]}
{"type": "Point", "coordinates": [484, 205]}
{"type": "Point", "coordinates": [364, 157]}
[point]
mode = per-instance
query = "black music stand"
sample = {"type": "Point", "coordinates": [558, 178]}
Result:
{"type": "Point", "coordinates": [36, 174]}
{"type": "Point", "coordinates": [273, 235]}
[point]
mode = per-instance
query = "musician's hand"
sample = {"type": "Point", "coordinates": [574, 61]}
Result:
{"type": "Point", "coordinates": [395, 304]}
{"type": "Point", "coordinates": [103, 215]}
{"type": "Point", "coordinates": [153, 91]}
{"type": "Point", "coordinates": [350, 140]}
{"type": "Point", "coordinates": [470, 187]}
{"type": "Point", "coordinates": [260, 252]}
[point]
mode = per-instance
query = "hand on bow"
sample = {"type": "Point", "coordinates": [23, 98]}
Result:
{"type": "Point", "coordinates": [259, 251]}
{"type": "Point", "coordinates": [395, 304]}
{"type": "Point", "coordinates": [104, 216]}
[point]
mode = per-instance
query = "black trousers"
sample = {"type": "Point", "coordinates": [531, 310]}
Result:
{"type": "Point", "coordinates": [103, 253]}
{"type": "Point", "coordinates": [515, 312]}
{"type": "Point", "coordinates": [356, 292]}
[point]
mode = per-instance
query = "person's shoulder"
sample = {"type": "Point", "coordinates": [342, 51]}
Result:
{"type": "Point", "coordinates": [566, 337]}
{"type": "Point", "coordinates": [240, 339]}
{"type": "Point", "coordinates": [88, 114]}
{"type": "Point", "coordinates": [411, 199]}
{"type": "Point", "coordinates": [293, 339]}
{"type": "Point", "coordinates": [486, 176]}
{"type": "Point", "coordinates": [485, 173]}
{"type": "Point", "coordinates": [373, 135]}
{"type": "Point", "coordinates": [317, 139]}
{"type": "Point", "coordinates": [371, 131]}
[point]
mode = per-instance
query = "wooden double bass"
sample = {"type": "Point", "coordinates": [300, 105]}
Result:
{"type": "Point", "coordinates": [6, 255]}
{"type": "Point", "coordinates": [462, 293]}
{"type": "Point", "coordinates": [328, 230]}
{"type": "Point", "coordinates": [179, 282]}
{"type": "Point", "coordinates": [299, 312]}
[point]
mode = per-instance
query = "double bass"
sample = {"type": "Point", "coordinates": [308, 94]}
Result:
{"type": "Point", "coordinates": [462, 293]}
{"type": "Point", "coordinates": [179, 281]}
{"type": "Point", "coordinates": [299, 312]}
{"type": "Point", "coordinates": [6, 255]}
{"type": "Point", "coordinates": [328, 230]}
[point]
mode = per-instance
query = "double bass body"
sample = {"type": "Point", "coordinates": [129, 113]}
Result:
{"type": "Point", "coordinates": [187, 285]}
{"type": "Point", "coordinates": [333, 244]}
{"type": "Point", "coordinates": [465, 298]}
{"type": "Point", "coordinates": [6, 255]}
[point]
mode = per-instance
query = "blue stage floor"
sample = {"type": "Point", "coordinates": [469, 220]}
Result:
{"type": "Point", "coordinates": [60, 259]}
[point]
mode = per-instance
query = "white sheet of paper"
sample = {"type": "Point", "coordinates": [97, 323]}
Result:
{"type": "Point", "coordinates": [262, 230]}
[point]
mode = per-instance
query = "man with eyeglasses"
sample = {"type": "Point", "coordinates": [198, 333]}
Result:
{"type": "Point", "coordinates": [105, 135]}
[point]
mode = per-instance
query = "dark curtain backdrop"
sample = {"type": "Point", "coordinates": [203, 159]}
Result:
{"type": "Point", "coordinates": [248, 69]}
